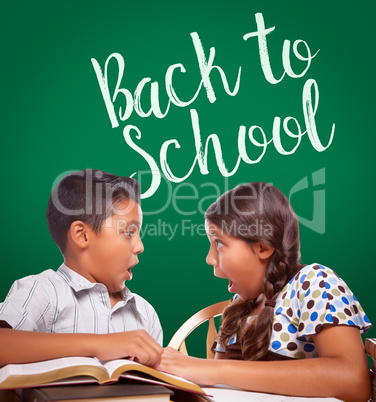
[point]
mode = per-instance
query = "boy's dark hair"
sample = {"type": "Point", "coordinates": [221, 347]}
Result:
{"type": "Point", "coordinates": [90, 196]}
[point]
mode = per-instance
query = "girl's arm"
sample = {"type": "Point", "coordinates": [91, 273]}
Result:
{"type": "Point", "coordinates": [341, 371]}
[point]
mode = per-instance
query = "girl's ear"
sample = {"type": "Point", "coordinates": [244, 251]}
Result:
{"type": "Point", "coordinates": [264, 251]}
{"type": "Point", "coordinates": [78, 232]}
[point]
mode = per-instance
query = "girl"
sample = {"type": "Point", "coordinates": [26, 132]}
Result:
{"type": "Point", "coordinates": [290, 329]}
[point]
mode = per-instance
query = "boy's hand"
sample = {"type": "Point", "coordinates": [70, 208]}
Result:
{"type": "Point", "coordinates": [137, 345]}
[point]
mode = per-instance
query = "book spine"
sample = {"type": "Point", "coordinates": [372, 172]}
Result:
{"type": "Point", "coordinates": [32, 395]}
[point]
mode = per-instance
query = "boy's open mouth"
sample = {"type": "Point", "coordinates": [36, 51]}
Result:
{"type": "Point", "coordinates": [129, 270]}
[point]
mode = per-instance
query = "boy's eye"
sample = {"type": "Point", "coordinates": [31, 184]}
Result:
{"type": "Point", "coordinates": [131, 231]}
{"type": "Point", "coordinates": [218, 243]}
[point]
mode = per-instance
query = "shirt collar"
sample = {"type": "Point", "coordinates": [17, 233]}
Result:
{"type": "Point", "coordinates": [129, 297]}
{"type": "Point", "coordinates": [77, 282]}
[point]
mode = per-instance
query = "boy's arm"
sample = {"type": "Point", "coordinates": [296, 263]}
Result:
{"type": "Point", "coordinates": [28, 307]}
{"type": "Point", "coordinates": [27, 346]}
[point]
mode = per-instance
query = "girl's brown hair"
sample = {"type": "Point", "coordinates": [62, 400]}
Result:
{"type": "Point", "coordinates": [258, 212]}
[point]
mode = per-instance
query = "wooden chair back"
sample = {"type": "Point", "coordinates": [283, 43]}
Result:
{"type": "Point", "coordinates": [208, 313]}
{"type": "Point", "coordinates": [371, 351]}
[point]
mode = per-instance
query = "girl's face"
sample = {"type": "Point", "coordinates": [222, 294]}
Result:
{"type": "Point", "coordinates": [233, 259]}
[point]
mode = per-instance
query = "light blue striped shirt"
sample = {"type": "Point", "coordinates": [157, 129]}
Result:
{"type": "Point", "coordinates": [65, 302]}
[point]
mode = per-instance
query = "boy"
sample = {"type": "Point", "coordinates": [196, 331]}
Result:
{"type": "Point", "coordinates": [84, 309]}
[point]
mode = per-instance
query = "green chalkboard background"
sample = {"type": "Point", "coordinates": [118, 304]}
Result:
{"type": "Point", "coordinates": [54, 120]}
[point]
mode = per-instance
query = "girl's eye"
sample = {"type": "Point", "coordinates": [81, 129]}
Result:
{"type": "Point", "coordinates": [218, 243]}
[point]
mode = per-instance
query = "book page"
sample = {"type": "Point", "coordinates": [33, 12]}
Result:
{"type": "Point", "coordinates": [225, 394]}
{"type": "Point", "coordinates": [147, 378]}
{"type": "Point", "coordinates": [117, 367]}
{"type": "Point", "coordinates": [46, 366]}
{"type": "Point", "coordinates": [113, 365]}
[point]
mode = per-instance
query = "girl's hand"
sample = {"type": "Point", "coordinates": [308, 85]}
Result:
{"type": "Point", "coordinates": [191, 368]}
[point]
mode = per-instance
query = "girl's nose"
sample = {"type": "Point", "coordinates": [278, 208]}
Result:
{"type": "Point", "coordinates": [139, 248]}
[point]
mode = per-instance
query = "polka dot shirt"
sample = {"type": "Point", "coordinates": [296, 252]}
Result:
{"type": "Point", "coordinates": [315, 296]}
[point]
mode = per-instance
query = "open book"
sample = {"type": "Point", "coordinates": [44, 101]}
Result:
{"type": "Point", "coordinates": [81, 370]}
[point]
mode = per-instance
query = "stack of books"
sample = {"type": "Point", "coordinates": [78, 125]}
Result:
{"type": "Point", "coordinates": [77, 378]}
{"type": "Point", "coordinates": [91, 393]}
{"type": "Point", "coordinates": [371, 351]}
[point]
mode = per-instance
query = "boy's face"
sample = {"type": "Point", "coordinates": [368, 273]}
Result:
{"type": "Point", "coordinates": [113, 251]}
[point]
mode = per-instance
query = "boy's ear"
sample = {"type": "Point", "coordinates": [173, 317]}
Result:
{"type": "Point", "coordinates": [264, 251]}
{"type": "Point", "coordinates": [78, 233]}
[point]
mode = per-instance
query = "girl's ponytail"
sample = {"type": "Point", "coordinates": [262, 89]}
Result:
{"type": "Point", "coordinates": [266, 204]}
